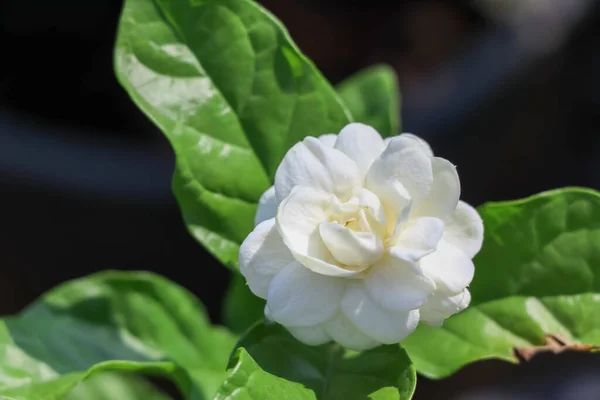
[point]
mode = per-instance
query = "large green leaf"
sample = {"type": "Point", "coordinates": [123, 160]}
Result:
{"type": "Point", "coordinates": [135, 322]}
{"type": "Point", "coordinates": [536, 275]}
{"type": "Point", "coordinates": [373, 98]}
{"type": "Point", "coordinates": [384, 373]}
{"type": "Point", "coordinates": [241, 308]}
{"type": "Point", "coordinates": [232, 93]}
{"type": "Point", "coordinates": [113, 386]}
{"type": "Point", "coordinates": [247, 381]}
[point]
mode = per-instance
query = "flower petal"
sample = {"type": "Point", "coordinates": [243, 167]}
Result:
{"type": "Point", "coordinates": [443, 195]}
{"type": "Point", "coordinates": [396, 202]}
{"type": "Point", "coordinates": [464, 229]}
{"type": "Point", "coordinates": [328, 139]}
{"type": "Point", "coordinates": [343, 331]}
{"type": "Point", "coordinates": [450, 269]}
{"type": "Point", "coordinates": [361, 143]}
{"type": "Point", "coordinates": [350, 247]}
{"type": "Point", "coordinates": [299, 297]}
{"type": "Point", "coordinates": [313, 164]}
{"type": "Point", "coordinates": [418, 237]}
{"type": "Point", "coordinates": [397, 284]}
{"type": "Point", "coordinates": [267, 206]}
{"type": "Point", "coordinates": [311, 335]}
{"type": "Point", "coordinates": [404, 159]}
{"type": "Point", "coordinates": [262, 255]}
{"type": "Point", "coordinates": [298, 219]}
{"type": "Point", "coordinates": [440, 307]}
{"type": "Point", "coordinates": [421, 142]}
{"type": "Point", "coordinates": [376, 322]}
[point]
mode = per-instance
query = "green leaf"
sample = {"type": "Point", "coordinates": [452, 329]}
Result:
{"type": "Point", "coordinates": [230, 90]}
{"type": "Point", "coordinates": [373, 98]}
{"type": "Point", "coordinates": [328, 370]}
{"type": "Point", "coordinates": [536, 277]}
{"type": "Point", "coordinates": [112, 386]}
{"type": "Point", "coordinates": [136, 322]}
{"type": "Point", "coordinates": [242, 308]}
{"type": "Point", "coordinates": [248, 381]}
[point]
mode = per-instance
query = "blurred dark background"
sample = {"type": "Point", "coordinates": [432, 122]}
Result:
{"type": "Point", "coordinates": [507, 90]}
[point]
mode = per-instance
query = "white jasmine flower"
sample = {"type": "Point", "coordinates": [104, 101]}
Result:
{"type": "Point", "coordinates": [361, 238]}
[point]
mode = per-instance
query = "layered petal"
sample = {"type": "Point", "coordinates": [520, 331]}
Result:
{"type": "Point", "coordinates": [439, 307]}
{"type": "Point", "coordinates": [419, 141]}
{"type": "Point", "coordinates": [262, 255]}
{"type": "Point", "coordinates": [350, 247]}
{"type": "Point", "coordinates": [313, 164]}
{"type": "Point", "coordinates": [464, 229]}
{"type": "Point", "coordinates": [343, 331]}
{"type": "Point", "coordinates": [450, 269]}
{"type": "Point", "coordinates": [298, 219]}
{"type": "Point", "coordinates": [376, 322]}
{"type": "Point", "coordinates": [397, 284]}
{"type": "Point", "coordinates": [396, 202]}
{"type": "Point", "coordinates": [267, 206]}
{"type": "Point", "coordinates": [299, 297]}
{"type": "Point", "coordinates": [442, 198]}
{"type": "Point", "coordinates": [405, 160]}
{"type": "Point", "coordinates": [328, 139]}
{"type": "Point", "coordinates": [311, 335]}
{"type": "Point", "coordinates": [371, 214]}
{"type": "Point", "coordinates": [361, 143]}
{"type": "Point", "coordinates": [418, 237]}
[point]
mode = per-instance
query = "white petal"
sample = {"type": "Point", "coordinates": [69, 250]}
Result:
{"type": "Point", "coordinates": [350, 247]}
{"type": "Point", "coordinates": [397, 284]}
{"type": "Point", "coordinates": [440, 307]}
{"type": "Point", "coordinates": [450, 269]}
{"type": "Point", "coordinates": [343, 331]}
{"type": "Point", "coordinates": [418, 237]}
{"type": "Point", "coordinates": [376, 322]}
{"type": "Point", "coordinates": [328, 139]}
{"type": "Point", "coordinates": [371, 214]}
{"type": "Point", "coordinates": [267, 206]}
{"type": "Point", "coordinates": [311, 163]}
{"type": "Point", "coordinates": [298, 219]}
{"type": "Point", "coordinates": [361, 143]}
{"type": "Point", "coordinates": [443, 194]}
{"type": "Point", "coordinates": [405, 160]}
{"type": "Point", "coordinates": [262, 255]}
{"type": "Point", "coordinates": [299, 297]}
{"type": "Point", "coordinates": [424, 145]}
{"type": "Point", "coordinates": [396, 202]}
{"type": "Point", "coordinates": [311, 335]}
{"type": "Point", "coordinates": [464, 229]}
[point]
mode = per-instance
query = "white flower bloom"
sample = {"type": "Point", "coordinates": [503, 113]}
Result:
{"type": "Point", "coordinates": [361, 238]}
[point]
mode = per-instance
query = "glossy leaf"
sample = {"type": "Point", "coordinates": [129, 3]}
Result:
{"type": "Point", "coordinates": [112, 386]}
{"type": "Point", "coordinates": [136, 322]}
{"type": "Point", "coordinates": [247, 381]}
{"type": "Point", "coordinates": [536, 275]}
{"type": "Point", "coordinates": [373, 98]}
{"type": "Point", "coordinates": [384, 373]}
{"type": "Point", "coordinates": [242, 308]}
{"type": "Point", "coordinates": [60, 386]}
{"type": "Point", "coordinates": [230, 90]}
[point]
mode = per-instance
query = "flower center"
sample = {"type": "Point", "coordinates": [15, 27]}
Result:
{"type": "Point", "coordinates": [354, 233]}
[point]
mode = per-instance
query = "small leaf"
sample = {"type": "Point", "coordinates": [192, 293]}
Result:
{"type": "Point", "coordinates": [373, 98]}
{"type": "Point", "coordinates": [136, 322]}
{"type": "Point", "coordinates": [328, 370]}
{"type": "Point", "coordinates": [232, 93]}
{"type": "Point", "coordinates": [248, 381]}
{"type": "Point", "coordinates": [535, 277]}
